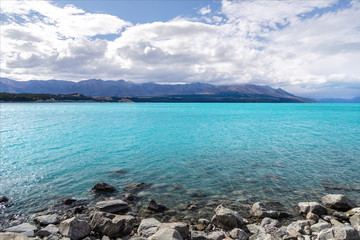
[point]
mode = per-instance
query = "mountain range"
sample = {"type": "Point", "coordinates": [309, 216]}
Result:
{"type": "Point", "coordinates": [121, 88]}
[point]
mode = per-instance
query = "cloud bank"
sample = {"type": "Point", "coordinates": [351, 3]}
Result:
{"type": "Point", "coordinates": [311, 48]}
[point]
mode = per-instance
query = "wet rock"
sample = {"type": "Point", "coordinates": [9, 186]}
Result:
{"type": "Point", "coordinates": [198, 235]}
{"type": "Point", "coordinates": [25, 228]}
{"type": "Point", "coordinates": [47, 231]}
{"type": "Point", "coordinates": [128, 197]}
{"type": "Point", "coordinates": [181, 227]}
{"type": "Point", "coordinates": [312, 207]}
{"type": "Point", "coordinates": [298, 228]}
{"type": "Point", "coordinates": [102, 187]}
{"type": "Point", "coordinates": [47, 219]}
{"type": "Point", "coordinates": [318, 227]}
{"type": "Point", "coordinates": [148, 227]}
{"type": "Point", "coordinates": [166, 234]}
{"type": "Point", "coordinates": [69, 201]}
{"type": "Point", "coordinates": [112, 206]}
{"type": "Point", "coordinates": [79, 209]}
{"type": "Point", "coordinates": [74, 228]}
{"type": "Point", "coordinates": [226, 218]}
{"type": "Point", "coordinates": [355, 221]}
{"type": "Point", "coordinates": [338, 202]}
{"type": "Point", "coordinates": [3, 199]}
{"type": "Point", "coordinates": [341, 215]}
{"type": "Point", "coordinates": [112, 225]}
{"type": "Point", "coordinates": [238, 233]}
{"type": "Point", "coordinates": [217, 235]}
{"type": "Point", "coordinates": [346, 232]}
{"type": "Point", "coordinates": [260, 210]}
{"type": "Point", "coordinates": [154, 206]}
{"type": "Point", "coordinates": [12, 236]}
{"type": "Point", "coordinates": [136, 187]}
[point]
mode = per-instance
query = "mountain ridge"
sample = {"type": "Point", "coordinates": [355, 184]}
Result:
{"type": "Point", "coordinates": [122, 88]}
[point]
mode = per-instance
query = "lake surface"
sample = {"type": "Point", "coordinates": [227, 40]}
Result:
{"type": "Point", "coordinates": [205, 151]}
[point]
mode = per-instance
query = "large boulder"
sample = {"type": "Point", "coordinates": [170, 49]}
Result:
{"type": "Point", "coordinates": [102, 187]}
{"type": "Point", "coordinates": [181, 227]}
{"type": "Point", "coordinates": [148, 227]}
{"type": "Point", "coordinates": [112, 206]}
{"type": "Point", "coordinates": [25, 228]}
{"type": "Point", "coordinates": [74, 228]}
{"type": "Point", "coordinates": [226, 218]}
{"type": "Point", "coordinates": [166, 234]}
{"type": "Point", "coordinates": [260, 210]}
{"type": "Point", "coordinates": [12, 236]}
{"type": "Point", "coordinates": [47, 219]}
{"type": "Point", "coordinates": [311, 207]}
{"type": "Point", "coordinates": [338, 202]}
{"type": "Point", "coordinates": [112, 225]}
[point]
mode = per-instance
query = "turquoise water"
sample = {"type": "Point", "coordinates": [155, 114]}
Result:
{"type": "Point", "coordinates": [240, 152]}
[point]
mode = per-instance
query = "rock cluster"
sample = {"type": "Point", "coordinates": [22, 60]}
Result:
{"type": "Point", "coordinates": [113, 219]}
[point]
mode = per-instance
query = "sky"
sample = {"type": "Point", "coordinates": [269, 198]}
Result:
{"type": "Point", "coordinates": [309, 48]}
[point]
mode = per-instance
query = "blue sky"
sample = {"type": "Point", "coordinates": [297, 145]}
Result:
{"type": "Point", "coordinates": [310, 48]}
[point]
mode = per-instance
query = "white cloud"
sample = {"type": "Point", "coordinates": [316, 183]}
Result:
{"type": "Point", "coordinates": [261, 42]}
{"type": "Point", "coordinates": [205, 10]}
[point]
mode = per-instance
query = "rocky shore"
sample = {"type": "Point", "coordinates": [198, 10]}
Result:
{"type": "Point", "coordinates": [334, 217]}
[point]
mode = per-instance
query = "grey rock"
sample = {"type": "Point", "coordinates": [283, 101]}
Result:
{"type": "Point", "coordinates": [238, 233]}
{"type": "Point", "coordinates": [74, 228]}
{"type": "Point", "coordinates": [353, 211]}
{"type": "Point", "coordinates": [166, 234]}
{"type": "Point", "coordinates": [355, 221]}
{"type": "Point", "coordinates": [25, 228]}
{"type": "Point", "coordinates": [137, 238]}
{"type": "Point", "coordinates": [335, 222]}
{"type": "Point", "coordinates": [326, 234]}
{"type": "Point", "coordinates": [56, 237]}
{"type": "Point", "coordinates": [298, 228]}
{"type": "Point", "coordinates": [338, 202]}
{"type": "Point", "coordinates": [270, 223]}
{"type": "Point", "coordinates": [128, 197]}
{"type": "Point", "coordinates": [260, 210]}
{"type": "Point", "coordinates": [112, 225]}
{"type": "Point", "coordinates": [312, 207]}
{"type": "Point", "coordinates": [112, 206]}
{"type": "Point", "coordinates": [341, 215]}
{"type": "Point", "coordinates": [105, 238]}
{"type": "Point", "coordinates": [346, 232]}
{"type": "Point", "coordinates": [47, 219]}
{"type": "Point", "coordinates": [12, 236]}
{"type": "Point", "coordinates": [255, 229]}
{"type": "Point", "coordinates": [148, 227]}
{"type": "Point", "coordinates": [198, 235]}
{"type": "Point", "coordinates": [226, 218]}
{"type": "Point", "coordinates": [102, 187]}
{"type": "Point", "coordinates": [47, 231]}
{"type": "Point", "coordinates": [312, 216]}
{"type": "Point", "coordinates": [318, 227]}
{"type": "Point", "coordinates": [181, 227]}
{"type": "Point", "coordinates": [217, 235]}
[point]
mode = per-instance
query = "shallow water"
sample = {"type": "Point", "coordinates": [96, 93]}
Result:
{"type": "Point", "coordinates": [189, 151]}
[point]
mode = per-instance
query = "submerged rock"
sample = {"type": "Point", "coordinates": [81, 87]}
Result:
{"type": "Point", "coordinates": [154, 206]}
{"type": "Point", "coordinates": [338, 202]}
{"type": "Point", "coordinates": [120, 171]}
{"type": "Point", "coordinates": [112, 206]}
{"type": "Point", "coordinates": [260, 210]}
{"type": "Point", "coordinates": [3, 199]}
{"type": "Point", "coordinates": [102, 187]}
{"type": "Point", "coordinates": [128, 197]}
{"type": "Point", "coordinates": [226, 218]}
{"type": "Point", "coordinates": [136, 187]}
{"type": "Point", "coordinates": [69, 201]}
{"type": "Point", "coordinates": [74, 228]}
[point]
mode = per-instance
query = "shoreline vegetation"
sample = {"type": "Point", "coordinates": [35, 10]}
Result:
{"type": "Point", "coordinates": [76, 97]}
{"type": "Point", "coordinates": [117, 217]}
